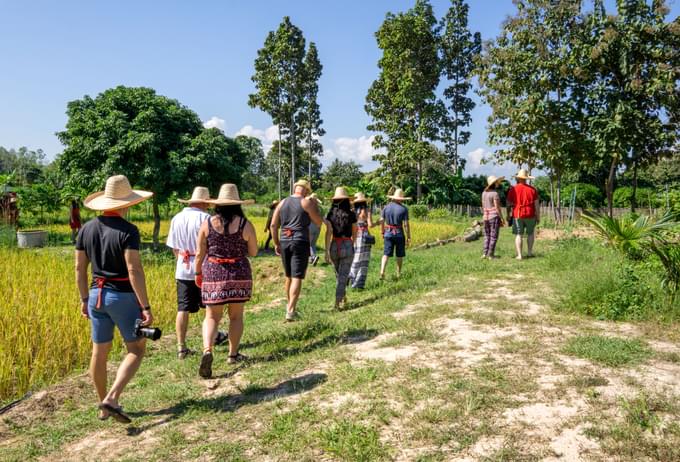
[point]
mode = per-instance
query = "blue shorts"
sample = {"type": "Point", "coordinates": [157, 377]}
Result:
{"type": "Point", "coordinates": [119, 309]}
{"type": "Point", "coordinates": [395, 242]}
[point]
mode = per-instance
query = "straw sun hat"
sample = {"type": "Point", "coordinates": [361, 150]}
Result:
{"type": "Point", "coordinates": [118, 194]}
{"type": "Point", "coordinates": [200, 194]}
{"type": "Point", "coordinates": [524, 175]}
{"type": "Point", "coordinates": [340, 194]}
{"type": "Point", "coordinates": [229, 196]}
{"type": "Point", "coordinates": [491, 180]}
{"type": "Point", "coordinates": [305, 184]}
{"type": "Point", "coordinates": [360, 197]}
{"type": "Point", "coordinates": [399, 195]}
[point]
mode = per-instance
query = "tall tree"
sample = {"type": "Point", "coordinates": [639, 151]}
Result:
{"type": "Point", "coordinates": [158, 143]}
{"type": "Point", "coordinates": [402, 100]}
{"type": "Point", "coordinates": [311, 115]}
{"type": "Point", "coordinates": [280, 83]}
{"type": "Point", "coordinates": [339, 173]}
{"type": "Point", "coordinates": [459, 50]}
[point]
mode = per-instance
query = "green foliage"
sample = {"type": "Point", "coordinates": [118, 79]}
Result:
{"type": "Point", "coordinates": [587, 195]}
{"type": "Point", "coordinates": [39, 198]}
{"type": "Point", "coordinates": [352, 441]}
{"type": "Point", "coordinates": [23, 165]}
{"type": "Point", "coordinates": [630, 298]}
{"type": "Point", "coordinates": [669, 256]}
{"type": "Point", "coordinates": [609, 351]}
{"type": "Point", "coordinates": [645, 197]}
{"type": "Point", "coordinates": [340, 173]}
{"type": "Point", "coordinates": [419, 211]}
{"type": "Point", "coordinates": [8, 236]}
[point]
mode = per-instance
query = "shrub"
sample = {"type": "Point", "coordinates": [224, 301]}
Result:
{"type": "Point", "coordinates": [418, 211]}
{"type": "Point", "coordinates": [645, 197]}
{"type": "Point", "coordinates": [587, 195]}
{"type": "Point", "coordinates": [439, 213]}
{"type": "Point", "coordinates": [630, 298]}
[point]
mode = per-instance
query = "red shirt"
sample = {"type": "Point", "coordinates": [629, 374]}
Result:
{"type": "Point", "coordinates": [524, 198]}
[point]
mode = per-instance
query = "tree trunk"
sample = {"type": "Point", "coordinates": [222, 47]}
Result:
{"type": "Point", "coordinates": [292, 155]}
{"type": "Point", "coordinates": [633, 197]}
{"type": "Point", "coordinates": [279, 130]}
{"type": "Point", "coordinates": [156, 223]}
{"type": "Point", "coordinates": [419, 185]}
{"type": "Point", "coordinates": [610, 187]}
{"type": "Point", "coordinates": [558, 210]}
{"type": "Point", "coordinates": [309, 169]}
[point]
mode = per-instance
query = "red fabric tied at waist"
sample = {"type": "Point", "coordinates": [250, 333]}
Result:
{"type": "Point", "coordinates": [362, 228]}
{"type": "Point", "coordinates": [222, 261]}
{"type": "Point", "coordinates": [186, 258]}
{"type": "Point", "coordinates": [100, 285]}
{"type": "Point", "coordinates": [288, 232]}
{"type": "Point", "coordinates": [393, 226]}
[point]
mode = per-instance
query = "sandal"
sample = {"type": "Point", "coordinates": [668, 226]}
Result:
{"type": "Point", "coordinates": [184, 352]}
{"type": "Point", "coordinates": [237, 358]}
{"type": "Point", "coordinates": [205, 369]}
{"type": "Point", "coordinates": [221, 338]}
{"type": "Point", "coordinates": [102, 414]}
{"type": "Point", "coordinates": [115, 412]}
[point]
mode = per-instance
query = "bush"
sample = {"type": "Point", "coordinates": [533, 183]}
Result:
{"type": "Point", "coordinates": [419, 211]}
{"type": "Point", "coordinates": [645, 197]}
{"type": "Point", "coordinates": [630, 298]}
{"type": "Point", "coordinates": [587, 195]}
{"type": "Point", "coordinates": [439, 214]}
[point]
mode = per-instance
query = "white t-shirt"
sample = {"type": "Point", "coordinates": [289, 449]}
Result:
{"type": "Point", "coordinates": [183, 234]}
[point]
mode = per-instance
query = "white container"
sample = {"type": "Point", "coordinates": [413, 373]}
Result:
{"type": "Point", "coordinates": [31, 238]}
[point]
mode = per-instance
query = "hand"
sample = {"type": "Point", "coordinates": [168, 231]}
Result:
{"type": "Point", "coordinates": [328, 258]}
{"type": "Point", "coordinates": [408, 242]}
{"type": "Point", "coordinates": [198, 280]}
{"type": "Point", "coordinates": [147, 318]}
{"type": "Point", "coordinates": [83, 310]}
{"type": "Point", "coordinates": [277, 249]}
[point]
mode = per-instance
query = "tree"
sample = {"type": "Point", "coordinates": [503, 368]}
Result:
{"type": "Point", "coordinates": [26, 165]}
{"type": "Point", "coordinates": [301, 167]}
{"type": "Point", "coordinates": [402, 100]}
{"type": "Point", "coordinates": [280, 83]}
{"type": "Point", "coordinates": [311, 115]}
{"type": "Point", "coordinates": [340, 173]}
{"type": "Point", "coordinates": [459, 50]}
{"type": "Point", "coordinates": [158, 143]}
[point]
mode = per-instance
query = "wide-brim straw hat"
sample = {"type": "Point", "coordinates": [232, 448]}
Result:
{"type": "Point", "coordinates": [360, 197]}
{"type": "Point", "coordinates": [340, 194]}
{"type": "Point", "coordinates": [399, 195]}
{"type": "Point", "coordinates": [305, 184]}
{"type": "Point", "coordinates": [228, 195]}
{"type": "Point", "coordinates": [492, 180]}
{"type": "Point", "coordinates": [273, 204]}
{"type": "Point", "coordinates": [201, 194]}
{"type": "Point", "coordinates": [524, 175]}
{"type": "Point", "coordinates": [314, 197]}
{"type": "Point", "coordinates": [117, 194]}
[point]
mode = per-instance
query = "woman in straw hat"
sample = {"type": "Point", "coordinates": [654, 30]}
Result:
{"type": "Point", "coordinates": [363, 242]}
{"type": "Point", "coordinates": [396, 230]}
{"type": "Point", "coordinates": [340, 241]}
{"type": "Point", "coordinates": [225, 241]}
{"type": "Point", "coordinates": [493, 218]}
{"type": "Point", "coordinates": [117, 296]}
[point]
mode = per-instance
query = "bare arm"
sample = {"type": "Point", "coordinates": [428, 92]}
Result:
{"type": "Point", "coordinates": [276, 224]}
{"type": "Point", "coordinates": [329, 236]}
{"type": "Point", "coordinates": [81, 279]}
{"type": "Point", "coordinates": [369, 219]}
{"type": "Point", "coordinates": [133, 261]}
{"type": "Point", "coordinates": [175, 252]}
{"type": "Point", "coordinates": [407, 231]}
{"type": "Point", "coordinates": [497, 204]}
{"type": "Point", "coordinates": [201, 246]}
{"type": "Point", "coordinates": [250, 236]}
{"type": "Point", "coordinates": [312, 210]}
{"type": "Point", "coordinates": [537, 208]}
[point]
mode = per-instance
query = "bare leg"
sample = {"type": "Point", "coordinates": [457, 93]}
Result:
{"type": "Point", "coordinates": [126, 370]}
{"type": "Point", "coordinates": [518, 246]}
{"type": "Point", "coordinates": [383, 265]}
{"type": "Point", "coordinates": [213, 316]}
{"type": "Point", "coordinates": [530, 245]}
{"type": "Point", "coordinates": [294, 293]}
{"type": "Point", "coordinates": [400, 261]}
{"type": "Point", "coordinates": [235, 327]}
{"type": "Point", "coordinates": [288, 282]}
{"type": "Point", "coordinates": [100, 354]}
{"type": "Point", "coordinates": [181, 325]}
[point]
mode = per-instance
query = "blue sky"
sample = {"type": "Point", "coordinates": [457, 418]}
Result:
{"type": "Point", "coordinates": [201, 53]}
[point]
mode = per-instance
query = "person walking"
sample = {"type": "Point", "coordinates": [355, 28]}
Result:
{"type": "Point", "coordinates": [493, 218]}
{"type": "Point", "coordinates": [314, 231]}
{"type": "Point", "coordinates": [222, 268]}
{"type": "Point", "coordinates": [293, 216]}
{"type": "Point", "coordinates": [182, 238]}
{"type": "Point", "coordinates": [523, 203]}
{"type": "Point", "coordinates": [340, 242]}
{"type": "Point", "coordinates": [117, 296]}
{"type": "Point", "coordinates": [74, 220]}
{"type": "Point", "coordinates": [267, 226]}
{"type": "Point", "coordinates": [395, 230]}
{"type": "Point", "coordinates": [363, 242]}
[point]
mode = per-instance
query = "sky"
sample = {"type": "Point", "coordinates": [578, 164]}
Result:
{"type": "Point", "coordinates": [202, 54]}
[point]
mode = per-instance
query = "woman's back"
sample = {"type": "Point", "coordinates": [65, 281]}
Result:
{"type": "Point", "coordinates": [227, 242]}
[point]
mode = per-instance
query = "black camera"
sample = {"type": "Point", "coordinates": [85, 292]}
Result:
{"type": "Point", "coordinates": [154, 333]}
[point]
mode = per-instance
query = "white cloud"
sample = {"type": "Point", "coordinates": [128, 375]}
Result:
{"type": "Point", "coordinates": [267, 136]}
{"type": "Point", "coordinates": [359, 150]}
{"type": "Point", "coordinates": [475, 158]}
{"type": "Point", "coordinates": [215, 122]}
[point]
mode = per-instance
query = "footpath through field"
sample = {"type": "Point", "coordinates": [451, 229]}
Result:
{"type": "Point", "coordinates": [461, 359]}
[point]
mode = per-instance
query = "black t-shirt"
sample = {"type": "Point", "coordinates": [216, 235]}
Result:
{"type": "Point", "coordinates": [104, 241]}
{"type": "Point", "coordinates": [338, 229]}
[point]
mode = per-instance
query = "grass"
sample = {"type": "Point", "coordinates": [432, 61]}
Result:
{"type": "Point", "coordinates": [609, 351]}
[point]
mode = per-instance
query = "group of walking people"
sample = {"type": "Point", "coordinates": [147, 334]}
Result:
{"type": "Point", "coordinates": [212, 269]}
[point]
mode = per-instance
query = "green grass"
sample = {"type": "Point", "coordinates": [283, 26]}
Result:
{"type": "Point", "coordinates": [608, 351]}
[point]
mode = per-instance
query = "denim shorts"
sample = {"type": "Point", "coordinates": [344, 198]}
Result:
{"type": "Point", "coordinates": [395, 242]}
{"type": "Point", "coordinates": [118, 309]}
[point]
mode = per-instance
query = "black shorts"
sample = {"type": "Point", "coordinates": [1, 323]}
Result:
{"type": "Point", "coordinates": [393, 243]}
{"type": "Point", "coordinates": [188, 296]}
{"type": "Point", "coordinates": [295, 256]}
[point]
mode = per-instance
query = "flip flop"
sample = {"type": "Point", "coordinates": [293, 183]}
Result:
{"type": "Point", "coordinates": [184, 352]}
{"type": "Point", "coordinates": [115, 412]}
{"type": "Point", "coordinates": [102, 414]}
{"type": "Point", "coordinates": [237, 358]}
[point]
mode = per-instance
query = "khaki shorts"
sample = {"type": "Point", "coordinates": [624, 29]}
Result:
{"type": "Point", "coordinates": [523, 226]}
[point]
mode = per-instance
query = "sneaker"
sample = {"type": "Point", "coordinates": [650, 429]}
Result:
{"type": "Point", "coordinates": [221, 338]}
{"type": "Point", "coordinates": [315, 260]}
{"type": "Point", "coordinates": [205, 369]}
{"type": "Point", "coordinates": [291, 317]}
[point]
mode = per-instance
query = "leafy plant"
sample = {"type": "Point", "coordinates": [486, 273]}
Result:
{"type": "Point", "coordinates": [419, 211]}
{"type": "Point", "coordinates": [669, 256]}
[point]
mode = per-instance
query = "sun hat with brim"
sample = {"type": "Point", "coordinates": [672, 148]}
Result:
{"type": "Point", "coordinates": [229, 196]}
{"type": "Point", "coordinates": [360, 197]}
{"type": "Point", "coordinates": [524, 175]}
{"type": "Point", "coordinates": [118, 194]}
{"type": "Point", "coordinates": [340, 194]}
{"type": "Point", "coordinates": [304, 183]}
{"type": "Point", "coordinates": [399, 195]}
{"type": "Point", "coordinates": [493, 180]}
{"type": "Point", "coordinates": [200, 195]}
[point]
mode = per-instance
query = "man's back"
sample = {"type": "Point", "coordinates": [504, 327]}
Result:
{"type": "Point", "coordinates": [182, 236]}
{"type": "Point", "coordinates": [523, 197]}
{"type": "Point", "coordinates": [294, 220]}
{"type": "Point", "coordinates": [395, 214]}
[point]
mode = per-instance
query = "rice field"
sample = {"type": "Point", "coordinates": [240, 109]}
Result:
{"type": "Point", "coordinates": [43, 336]}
